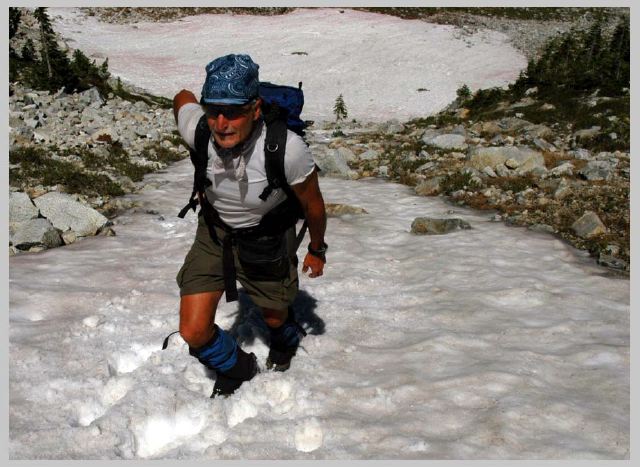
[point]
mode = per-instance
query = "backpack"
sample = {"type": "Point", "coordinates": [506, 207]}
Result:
{"type": "Point", "coordinates": [281, 110]}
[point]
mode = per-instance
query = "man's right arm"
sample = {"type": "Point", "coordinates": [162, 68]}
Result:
{"type": "Point", "coordinates": [180, 99]}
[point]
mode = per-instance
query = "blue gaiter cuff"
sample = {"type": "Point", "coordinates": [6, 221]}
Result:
{"type": "Point", "coordinates": [220, 354]}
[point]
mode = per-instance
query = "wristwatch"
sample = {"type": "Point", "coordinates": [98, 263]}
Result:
{"type": "Point", "coordinates": [320, 252]}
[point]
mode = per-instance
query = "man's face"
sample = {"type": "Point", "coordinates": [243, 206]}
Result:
{"type": "Point", "coordinates": [232, 124]}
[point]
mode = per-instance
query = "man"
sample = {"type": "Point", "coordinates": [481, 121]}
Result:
{"type": "Point", "coordinates": [230, 240]}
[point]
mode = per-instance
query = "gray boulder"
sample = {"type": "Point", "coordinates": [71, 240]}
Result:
{"type": "Point", "coordinates": [448, 141]}
{"type": "Point", "coordinates": [431, 226]}
{"type": "Point", "coordinates": [346, 154]}
{"type": "Point", "coordinates": [429, 187]}
{"type": "Point", "coordinates": [563, 169]}
{"type": "Point", "coordinates": [597, 170]}
{"type": "Point", "coordinates": [332, 163]}
{"type": "Point", "coordinates": [588, 133]}
{"type": "Point", "coordinates": [337, 210]}
{"type": "Point", "coordinates": [36, 232]}
{"type": "Point", "coordinates": [21, 208]}
{"type": "Point", "coordinates": [66, 213]}
{"type": "Point", "coordinates": [525, 158]}
{"type": "Point", "coordinates": [588, 225]}
{"type": "Point", "coordinates": [369, 154]}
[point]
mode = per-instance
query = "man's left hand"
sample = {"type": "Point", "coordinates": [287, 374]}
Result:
{"type": "Point", "coordinates": [313, 263]}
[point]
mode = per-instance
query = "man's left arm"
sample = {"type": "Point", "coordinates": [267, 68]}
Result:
{"type": "Point", "coordinates": [310, 197]}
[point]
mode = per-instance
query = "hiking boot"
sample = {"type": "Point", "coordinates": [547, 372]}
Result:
{"type": "Point", "coordinates": [285, 341]}
{"type": "Point", "coordinates": [246, 368]}
{"type": "Point", "coordinates": [280, 360]}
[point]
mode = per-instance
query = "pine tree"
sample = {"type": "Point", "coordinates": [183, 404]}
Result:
{"type": "Point", "coordinates": [14, 21]}
{"type": "Point", "coordinates": [46, 31]}
{"type": "Point", "coordinates": [340, 109]}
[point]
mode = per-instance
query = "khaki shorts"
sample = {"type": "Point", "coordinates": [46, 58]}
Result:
{"type": "Point", "coordinates": [269, 284]}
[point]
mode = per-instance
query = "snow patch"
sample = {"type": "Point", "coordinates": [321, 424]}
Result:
{"type": "Point", "coordinates": [308, 435]}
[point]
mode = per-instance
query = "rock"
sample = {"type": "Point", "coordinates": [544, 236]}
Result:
{"type": "Point", "coordinates": [547, 107]}
{"type": "Point", "coordinates": [346, 154]}
{"type": "Point", "coordinates": [36, 232]}
{"type": "Point", "coordinates": [565, 169]}
{"type": "Point", "coordinates": [66, 213]}
{"type": "Point", "coordinates": [502, 170]}
{"type": "Point", "coordinates": [449, 141]}
{"type": "Point", "coordinates": [336, 210]}
{"type": "Point", "coordinates": [91, 97]}
{"type": "Point", "coordinates": [524, 102]}
{"type": "Point", "coordinates": [383, 171]}
{"type": "Point", "coordinates": [429, 134]}
{"type": "Point", "coordinates": [369, 154]}
{"type": "Point", "coordinates": [427, 166]}
{"type": "Point", "coordinates": [597, 170]}
{"type": "Point", "coordinates": [332, 163]}
{"type": "Point", "coordinates": [394, 128]}
{"type": "Point", "coordinates": [69, 237]}
{"type": "Point", "coordinates": [544, 145]}
{"type": "Point", "coordinates": [431, 226]}
{"type": "Point", "coordinates": [538, 131]}
{"type": "Point", "coordinates": [513, 124]}
{"type": "Point", "coordinates": [488, 129]}
{"type": "Point", "coordinates": [582, 154]}
{"type": "Point", "coordinates": [588, 225]}
{"type": "Point", "coordinates": [612, 262]}
{"type": "Point", "coordinates": [544, 228]}
{"type": "Point", "coordinates": [511, 163]}
{"type": "Point", "coordinates": [21, 208]}
{"type": "Point", "coordinates": [481, 157]}
{"type": "Point", "coordinates": [429, 187]}
{"type": "Point", "coordinates": [587, 133]}
{"type": "Point", "coordinates": [489, 172]}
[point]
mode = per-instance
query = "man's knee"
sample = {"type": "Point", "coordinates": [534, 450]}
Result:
{"type": "Point", "coordinates": [274, 318]}
{"type": "Point", "coordinates": [197, 317]}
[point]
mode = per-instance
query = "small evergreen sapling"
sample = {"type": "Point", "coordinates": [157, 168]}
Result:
{"type": "Point", "coordinates": [340, 109]}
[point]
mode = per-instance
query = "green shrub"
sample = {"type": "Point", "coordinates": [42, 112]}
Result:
{"type": "Point", "coordinates": [458, 181]}
{"type": "Point", "coordinates": [37, 167]}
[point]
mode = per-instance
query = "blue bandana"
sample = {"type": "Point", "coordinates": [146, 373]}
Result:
{"type": "Point", "coordinates": [231, 80]}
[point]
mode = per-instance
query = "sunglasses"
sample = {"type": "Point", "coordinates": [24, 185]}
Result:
{"type": "Point", "coordinates": [230, 112]}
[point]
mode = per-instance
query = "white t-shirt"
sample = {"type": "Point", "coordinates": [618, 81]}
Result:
{"type": "Point", "coordinates": [237, 201]}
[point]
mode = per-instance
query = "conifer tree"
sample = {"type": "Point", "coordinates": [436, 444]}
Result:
{"type": "Point", "coordinates": [340, 109]}
{"type": "Point", "coordinates": [46, 31]}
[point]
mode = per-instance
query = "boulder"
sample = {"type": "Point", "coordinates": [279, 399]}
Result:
{"type": "Point", "coordinates": [588, 225]}
{"type": "Point", "coordinates": [565, 169]}
{"type": "Point", "coordinates": [448, 141]}
{"type": "Point", "coordinates": [369, 154]}
{"type": "Point", "coordinates": [66, 213]}
{"type": "Point", "coordinates": [597, 170]}
{"type": "Point", "coordinates": [346, 154]}
{"type": "Point", "coordinates": [431, 226]}
{"type": "Point", "coordinates": [21, 208]}
{"type": "Point", "coordinates": [429, 187]}
{"type": "Point", "coordinates": [481, 157]}
{"type": "Point", "coordinates": [336, 210]}
{"type": "Point", "coordinates": [332, 163]}
{"type": "Point", "coordinates": [513, 124]}
{"type": "Point", "coordinates": [588, 133]}
{"type": "Point", "coordinates": [36, 232]}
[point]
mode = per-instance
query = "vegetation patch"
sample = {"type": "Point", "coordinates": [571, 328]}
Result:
{"type": "Point", "coordinates": [36, 167]}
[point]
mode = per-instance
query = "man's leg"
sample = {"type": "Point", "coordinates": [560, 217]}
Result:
{"type": "Point", "coordinates": [197, 317]}
{"type": "Point", "coordinates": [285, 335]}
{"type": "Point", "coordinates": [212, 346]}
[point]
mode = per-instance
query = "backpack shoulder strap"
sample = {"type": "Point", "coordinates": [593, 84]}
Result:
{"type": "Point", "coordinates": [199, 158]}
{"type": "Point", "coordinates": [275, 145]}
